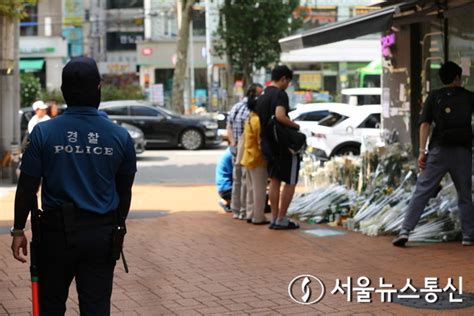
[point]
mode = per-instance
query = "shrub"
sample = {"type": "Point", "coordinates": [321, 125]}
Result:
{"type": "Point", "coordinates": [52, 95]}
{"type": "Point", "coordinates": [129, 92]}
{"type": "Point", "coordinates": [30, 88]}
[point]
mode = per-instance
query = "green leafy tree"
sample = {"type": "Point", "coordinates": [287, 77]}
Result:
{"type": "Point", "coordinates": [14, 8]}
{"type": "Point", "coordinates": [249, 31]}
{"type": "Point", "coordinates": [30, 88]}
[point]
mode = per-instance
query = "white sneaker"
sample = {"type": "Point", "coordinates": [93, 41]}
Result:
{"type": "Point", "coordinates": [467, 242]}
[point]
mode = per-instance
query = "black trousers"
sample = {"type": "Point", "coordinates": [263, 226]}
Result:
{"type": "Point", "coordinates": [226, 195]}
{"type": "Point", "coordinates": [84, 255]}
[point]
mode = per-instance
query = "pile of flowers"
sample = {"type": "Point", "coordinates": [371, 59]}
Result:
{"type": "Point", "coordinates": [370, 194]}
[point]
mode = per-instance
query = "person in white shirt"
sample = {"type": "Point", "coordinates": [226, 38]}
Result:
{"type": "Point", "coordinates": [40, 109]}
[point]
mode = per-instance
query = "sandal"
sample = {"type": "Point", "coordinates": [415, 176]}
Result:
{"type": "Point", "coordinates": [291, 225]}
{"type": "Point", "coordinates": [261, 223]}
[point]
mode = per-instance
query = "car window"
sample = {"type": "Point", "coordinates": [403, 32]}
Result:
{"type": "Point", "coordinates": [300, 117]}
{"type": "Point", "coordinates": [316, 116]}
{"type": "Point", "coordinates": [332, 119]}
{"type": "Point", "coordinates": [116, 110]}
{"type": "Point", "coordinates": [143, 111]}
{"type": "Point", "coordinates": [368, 99]}
{"type": "Point", "coordinates": [168, 112]}
{"type": "Point", "coordinates": [373, 121]}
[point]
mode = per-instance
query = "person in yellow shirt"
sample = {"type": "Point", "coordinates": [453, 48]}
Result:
{"type": "Point", "coordinates": [256, 166]}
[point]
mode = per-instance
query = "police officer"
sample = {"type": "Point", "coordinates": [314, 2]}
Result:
{"type": "Point", "coordinates": [86, 165]}
{"type": "Point", "coordinates": [450, 109]}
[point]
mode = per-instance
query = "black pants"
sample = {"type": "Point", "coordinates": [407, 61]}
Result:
{"type": "Point", "coordinates": [86, 256]}
{"type": "Point", "coordinates": [226, 195]}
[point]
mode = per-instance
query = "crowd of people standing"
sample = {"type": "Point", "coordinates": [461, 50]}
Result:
{"type": "Point", "coordinates": [258, 160]}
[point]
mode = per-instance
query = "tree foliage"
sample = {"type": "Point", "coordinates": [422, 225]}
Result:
{"type": "Point", "coordinates": [52, 95]}
{"type": "Point", "coordinates": [14, 8]}
{"type": "Point", "coordinates": [30, 88]}
{"type": "Point", "coordinates": [249, 31]}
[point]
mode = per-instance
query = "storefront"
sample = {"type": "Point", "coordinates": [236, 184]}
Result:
{"type": "Point", "coordinates": [321, 72]}
{"type": "Point", "coordinates": [416, 38]}
{"type": "Point", "coordinates": [157, 61]}
{"type": "Point", "coordinates": [413, 51]}
{"type": "Point", "coordinates": [45, 57]}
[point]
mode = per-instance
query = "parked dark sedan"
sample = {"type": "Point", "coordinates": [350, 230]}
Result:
{"type": "Point", "coordinates": [162, 127]}
{"type": "Point", "coordinates": [135, 133]}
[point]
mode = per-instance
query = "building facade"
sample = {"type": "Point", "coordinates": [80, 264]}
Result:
{"type": "Point", "coordinates": [120, 28]}
{"type": "Point", "coordinates": [43, 49]}
{"type": "Point", "coordinates": [156, 55]}
{"type": "Point", "coordinates": [322, 71]}
{"type": "Point", "coordinates": [417, 37]}
{"type": "Point", "coordinates": [413, 53]}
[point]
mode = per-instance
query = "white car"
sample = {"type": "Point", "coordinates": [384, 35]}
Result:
{"type": "Point", "coordinates": [342, 130]}
{"type": "Point", "coordinates": [308, 115]}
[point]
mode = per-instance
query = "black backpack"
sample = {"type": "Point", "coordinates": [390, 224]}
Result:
{"type": "Point", "coordinates": [449, 113]}
{"type": "Point", "coordinates": [287, 138]}
{"type": "Point", "coordinates": [283, 139]}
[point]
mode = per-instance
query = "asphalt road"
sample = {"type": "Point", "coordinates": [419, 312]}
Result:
{"type": "Point", "coordinates": [178, 166]}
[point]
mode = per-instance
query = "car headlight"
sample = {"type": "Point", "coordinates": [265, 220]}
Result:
{"type": "Point", "coordinates": [210, 124]}
{"type": "Point", "coordinates": [134, 134]}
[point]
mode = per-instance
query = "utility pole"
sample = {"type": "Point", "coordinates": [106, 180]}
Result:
{"type": "Point", "coordinates": [147, 19]}
{"type": "Point", "coordinates": [208, 54]}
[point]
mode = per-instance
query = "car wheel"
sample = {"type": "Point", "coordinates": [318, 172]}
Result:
{"type": "Point", "coordinates": [348, 150]}
{"type": "Point", "coordinates": [191, 139]}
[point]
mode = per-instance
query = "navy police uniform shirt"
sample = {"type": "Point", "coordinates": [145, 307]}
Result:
{"type": "Point", "coordinates": [78, 155]}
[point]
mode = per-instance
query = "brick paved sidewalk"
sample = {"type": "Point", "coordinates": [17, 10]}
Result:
{"type": "Point", "coordinates": [198, 260]}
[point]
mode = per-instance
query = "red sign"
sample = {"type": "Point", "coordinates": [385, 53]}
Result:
{"type": "Point", "coordinates": [147, 51]}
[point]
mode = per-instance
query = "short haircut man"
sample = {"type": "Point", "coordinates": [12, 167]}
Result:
{"type": "Point", "coordinates": [283, 166]}
{"type": "Point", "coordinates": [450, 151]}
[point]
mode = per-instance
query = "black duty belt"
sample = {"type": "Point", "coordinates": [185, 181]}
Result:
{"type": "Point", "coordinates": [56, 219]}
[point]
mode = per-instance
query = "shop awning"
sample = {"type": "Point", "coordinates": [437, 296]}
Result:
{"type": "Point", "coordinates": [364, 50]}
{"type": "Point", "coordinates": [31, 65]}
{"type": "Point", "coordinates": [373, 22]}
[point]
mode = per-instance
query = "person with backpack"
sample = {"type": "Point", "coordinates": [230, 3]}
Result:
{"type": "Point", "coordinates": [450, 151]}
{"type": "Point", "coordinates": [283, 165]}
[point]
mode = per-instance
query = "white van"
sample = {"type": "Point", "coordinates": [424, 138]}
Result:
{"type": "Point", "coordinates": [362, 96]}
